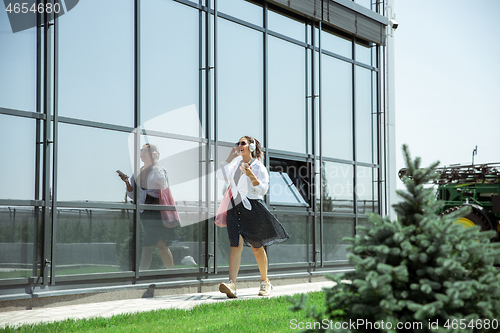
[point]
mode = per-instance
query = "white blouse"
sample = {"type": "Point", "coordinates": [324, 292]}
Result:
{"type": "Point", "coordinates": [245, 187]}
{"type": "Point", "coordinates": [157, 180]}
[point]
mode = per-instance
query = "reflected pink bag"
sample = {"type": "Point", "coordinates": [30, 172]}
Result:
{"type": "Point", "coordinates": [221, 218]}
{"type": "Point", "coordinates": [170, 218]}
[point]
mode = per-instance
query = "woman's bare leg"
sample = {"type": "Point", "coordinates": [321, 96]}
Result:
{"type": "Point", "coordinates": [165, 254]}
{"type": "Point", "coordinates": [146, 257]}
{"type": "Point", "coordinates": [235, 260]}
{"type": "Point", "coordinates": [261, 258]}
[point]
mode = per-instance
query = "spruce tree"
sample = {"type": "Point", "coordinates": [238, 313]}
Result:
{"type": "Point", "coordinates": [422, 272]}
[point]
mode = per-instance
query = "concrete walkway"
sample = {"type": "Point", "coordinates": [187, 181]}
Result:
{"type": "Point", "coordinates": [111, 308]}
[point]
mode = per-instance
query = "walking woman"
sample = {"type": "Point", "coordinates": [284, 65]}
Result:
{"type": "Point", "coordinates": [249, 222]}
{"type": "Point", "coordinates": [153, 178]}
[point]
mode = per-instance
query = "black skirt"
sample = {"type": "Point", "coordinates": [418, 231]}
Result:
{"type": "Point", "coordinates": [257, 226]}
{"type": "Point", "coordinates": [154, 230]}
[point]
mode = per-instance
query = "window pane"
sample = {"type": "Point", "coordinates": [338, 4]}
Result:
{"type": "Point", "coordinates": [287, 26]}
{"type": "Point", "coordinates": [336, 108]}
{"type": "Point", "coordinates": [181, 159]}
{"type": "Point", "coordinates": [366, 190]}
{"type": "Point", "coordinates": [170, 67]}
{"type": "Point", "coordinates": [90, 157]}
{"type": "Point", "coordinates": [337, 187]}
{"type": "Point", "coordinates": [363, 221]}
{"type": "Point", "coordinates": [96, 62]}
{"type": "Point", "coordinates": [364, 118]}
{"type": "Point", "coordinates": [94, 241]}
{"type": "Point", "coordinates": [178, 246]}
{"type": "Point", "coordinates": [287, 88]}
{"type": "Point", "coordinates": [364, 54]}
{"type": "Point", "coordinates": [374, 56]}
{"type": "Point", "coordinates": [240, 82]}
{"type": "Point", "coordinates": [17, 67]}
{"type": "Point", "coordinates": [289, 183]}
{"type": "Point", "coordinates": [17, 148]}
{"type": "Point", "coordinates": [336, 44]}
{"type": "Point", "coordinates": [375, 119]}
{"type": "Point", "coordinates": [336, 228]}
{"type": "Point", "coordinates": [241, 9]}
{"type": "Point", "coordinates": [283, 191]}
{"type": "Point", "coordinates": [18, 230]}
{"type": "Point", "coordinates": [297, 248]}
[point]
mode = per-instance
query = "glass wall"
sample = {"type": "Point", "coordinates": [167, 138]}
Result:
{"type": "Point", "coordinates": [96, 76]}
{"type": "Point", "coordinates": [287, 91]}
{"type": "Point", "coordinates": [336, 108]}
{"type": "Point", "coordinates": [93, 241]}
{"type": "Point", "coordinates": [240, 81]}
{"type": "Point", "coordinates": [111, 160]}
{"type": "Point", "coordinates": [17, 149]}
{"type": "Point", "coordinates": [20, 241]}
{"type": "Point", "coordinates": [170, 68]}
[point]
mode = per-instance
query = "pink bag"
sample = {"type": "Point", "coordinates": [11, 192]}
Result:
{"type": "Point", "coordinates": [220, 219]}
{"type": "Point", "coordinates": [170, 218]}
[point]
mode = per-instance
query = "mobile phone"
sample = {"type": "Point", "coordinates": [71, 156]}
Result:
{"type": "Point", "coordinates": [121, 173]}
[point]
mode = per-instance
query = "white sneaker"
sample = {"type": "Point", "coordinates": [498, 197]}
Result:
{"type": "Point", "coordinates": [265, 288]}
{"type": "Point", "coordinates": [228, 288]}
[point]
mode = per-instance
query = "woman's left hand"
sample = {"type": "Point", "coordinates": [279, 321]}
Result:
{"type": "Point", "coordinates": [247, 169]}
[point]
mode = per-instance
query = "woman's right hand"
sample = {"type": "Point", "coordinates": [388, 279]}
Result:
{"type": "Point", "coordinates": [234, 153]}
{"type": "Point", "coordinates": [123, 176]}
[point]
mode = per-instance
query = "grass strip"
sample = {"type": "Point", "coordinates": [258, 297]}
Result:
{"type": "Point", "coordinates": [254, 315]}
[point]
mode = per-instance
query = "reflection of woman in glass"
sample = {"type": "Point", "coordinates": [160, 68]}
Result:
{"type": "Point", "coordinates": [153, 178]}
{"type": "Point", "coordinates": [249, 222]}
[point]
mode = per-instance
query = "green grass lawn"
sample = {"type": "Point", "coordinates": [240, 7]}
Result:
{"type": "Point", "coordinates": [255, 315]}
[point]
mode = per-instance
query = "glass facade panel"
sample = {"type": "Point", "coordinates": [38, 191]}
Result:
{"type": "Point", "coordinates": [337, 187]}
{"type": "Point", "coordinates": [336, 44]}
{"type": "Point", "coordinates": [287, 26]}
{"type": "Point", "coordinates": [19, 230]}
{"type": "Point", "coordinates": [366, 190]}
{"type": "Point", "coordinates": [363, 221]}
{"type": "Point", "coordinates": [375, 120]}
{"type": "Point", "coordinates": [17, 148]}
{"type": "Point", "coordinates": [170, 68]}
{"type": "Point", "coordinates": [364, 54]}
{"type": "Point", "coordinates": [87, 164]}
{"type": "Point", "coordinates": [282, 191]}
{"type": "Point", "coordinates": [289, 183]}
{"type": "Point", "coordinates": [241, 9]}
{"type": "Point", "coordinates": [334, 229]}
{"type": "Point", "coordinates": [181, 159]}
{"type": "Point", "coordinates": [17, 67]}
{"type": "Point", "coordinates": [298, 247]}
{"type": "Point", "coordinates": [336, 109]}
{"type": "Point", "coordinates": [93, 241]}
{"type": "Point", "coordinates": [287, 89]}
{"type": "Point", "coordinates": [365, 126]}
{"type": "Point", "coordinates": [186, 252]}
{"type": "Point", "coordinates": [96, 63]}
{"type": "Point", "coordinates": [240, 76]}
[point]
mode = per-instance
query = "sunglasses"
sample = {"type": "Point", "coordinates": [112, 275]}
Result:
{"type": "Point", "coordinates": [241, 143]}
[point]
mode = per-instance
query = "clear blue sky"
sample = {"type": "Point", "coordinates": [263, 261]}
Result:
{"type": "Point", "coordinates": [448, 80]}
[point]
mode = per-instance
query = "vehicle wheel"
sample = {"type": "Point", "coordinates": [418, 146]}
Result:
{"type": "Point", "coordinates": [478, 216]}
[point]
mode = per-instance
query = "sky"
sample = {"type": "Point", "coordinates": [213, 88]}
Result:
{"type": "Point", "coordinates": [447, 80]}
